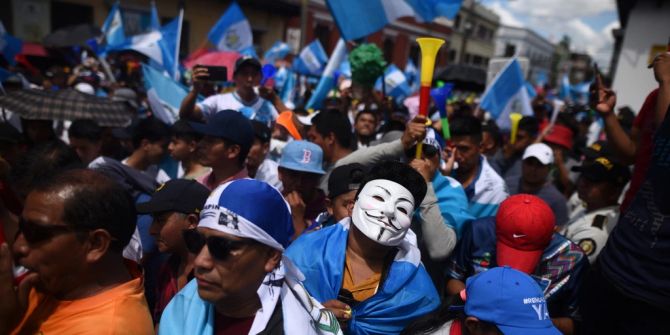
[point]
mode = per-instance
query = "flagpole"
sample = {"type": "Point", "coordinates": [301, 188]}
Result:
{"type": "Point", "coordinates": [176, 52]}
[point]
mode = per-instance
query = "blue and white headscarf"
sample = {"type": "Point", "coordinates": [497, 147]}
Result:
{"type": "Point", "coordinates": [252, 209]}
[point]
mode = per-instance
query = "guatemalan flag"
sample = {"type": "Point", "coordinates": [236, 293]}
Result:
{"type": "Point", "coordinates": [112, 29]}
{"type": "Point", "coordinates": [507, 94]}
{"type": "Point", "coordinates": [155, 23]}
{"type": "Point", "coordinates": [311, 60]}
{"type": "Point", "coordinates": [406, 293]}
{"type": "Point", "coordinates": [358, 18]}
{"type": "Point", "coordinates": [159, 46]}
{"type": "Point", "coordinates": [412, 74]}
{"type": "Point", "coordinates": [279, 50]}
{"type": "Point", "coordinates": [232, 32]}
{"type": "Point", "coordinates": [327, 81]}
{"type": "Point", "coordinates": [396, 83]}
{"type": "Point", "coordinates": [164, 94]}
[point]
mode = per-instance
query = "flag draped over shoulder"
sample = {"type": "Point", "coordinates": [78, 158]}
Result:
{"type": "Point", "coordinates": [232, 32]}
{"type": "Point", "coordinates": [356, 18]}
{"type": "Point", "coordinates": [406, 294]}
{"type": "Point", "coordinates": [507, 94]}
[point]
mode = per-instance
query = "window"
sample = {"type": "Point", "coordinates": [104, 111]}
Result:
{"type": "Point", "coordinates": [457, 22]}
{"type": "Point", "coordinates": [451, 56]}
{"type": "Point", "coordinates": [477, 60]}
{"type": "Point", "coordinates": [67, 14]}
{"type": "Point", "coordinates": [510, 50]}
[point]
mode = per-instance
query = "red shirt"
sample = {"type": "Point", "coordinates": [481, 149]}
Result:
{"type": "Point", "coordinates": [644, 122]}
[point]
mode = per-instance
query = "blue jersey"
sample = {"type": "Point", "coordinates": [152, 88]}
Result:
{"type": "Point", "coordinates": [559, 273]}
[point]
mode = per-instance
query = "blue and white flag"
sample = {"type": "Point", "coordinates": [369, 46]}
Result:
{"type": "Point", "coordinates": [531, 90]}
{"type": "Point", "coordinates": [580, 92]}
{"type": "Point", "coordinates": [159, 46]}
{"type": "Point", "coordinates": [232, 32]}
{"type": "Point", "coordinates": [507, 94]}
{"type": "Point", "coordinates": [345, 68]}
{"type": "Point", "coordinates": [327, 81]}
{"type": "Point", "coordinates": [396, 83]}
{"type": "Point", "coordinates": [356, 18]}
{"type": "Point", "coordinates": [412, 74]}
{"type": "Point", "coordinates": [155, 23]}
{"type": "Point", "coordinates": [288, 87]}
{"type": "Point", "coordinates": [112, 29]}
{"type": "Point", "coordinates": [406, 293]}
{"type": "Point", "coordinates": [311, 60]}
{"type": "Point", "coordinates": [164, 94]}
{"type": "Point", "coordinates": [279, 50]}
{"type": "Point", "coordinates": [10, 46]}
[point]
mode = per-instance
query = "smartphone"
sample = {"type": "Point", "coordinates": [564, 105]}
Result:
{"type": "Point", "coordinates": [216, 73]}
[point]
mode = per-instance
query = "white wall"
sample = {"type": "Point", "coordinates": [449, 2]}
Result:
{"type": "Point", "coordinates": [648, 24]}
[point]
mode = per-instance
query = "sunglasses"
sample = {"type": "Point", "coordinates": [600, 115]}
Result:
{"type": "Point", "coordinates": [35, 233]}
{"type": "Point", "coordinates": [218, 247]}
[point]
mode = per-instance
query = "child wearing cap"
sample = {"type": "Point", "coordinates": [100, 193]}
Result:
{"type": "Point", "coordinates": [343, 184]}
{"type": "Point", "coordinates": [501, 300]}
{"type": "Point", "coordinates": [522, 236]}
{"type": "Point", "coordinates": [174, 207]}
{"type": "Point", "coordinates": [300, 169]}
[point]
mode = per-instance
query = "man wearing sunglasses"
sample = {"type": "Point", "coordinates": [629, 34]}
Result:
{"type": "Point", "coordinates": [175, 207]}
{"type": "Point", "coordinates": [73, 229]}
{"type": "Point", "coordinates": [243, 285]}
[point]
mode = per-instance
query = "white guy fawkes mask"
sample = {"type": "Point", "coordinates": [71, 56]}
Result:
{"type": "Point", "coordinates": [383, 211]}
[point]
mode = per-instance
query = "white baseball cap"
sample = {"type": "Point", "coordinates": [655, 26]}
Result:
{"type": "Point", "coordinates": [541, 151]}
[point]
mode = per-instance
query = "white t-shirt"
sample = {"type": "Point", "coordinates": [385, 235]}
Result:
{"type": "Point", "coordinates": [260, 109]}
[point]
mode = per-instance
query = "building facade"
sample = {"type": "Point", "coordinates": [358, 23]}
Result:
{"type": "Point", "coordinates": [473, 39]}
{"type": "Point", "coordinates": [523, 42]}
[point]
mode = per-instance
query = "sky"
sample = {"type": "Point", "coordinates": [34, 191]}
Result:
{"type": "Point", "coordinates": [589, 23]}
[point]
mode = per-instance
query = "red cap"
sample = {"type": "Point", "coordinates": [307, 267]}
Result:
{"type": "Point", "coordinates": [524, 227]}
{"type": "Point", "coordinates": [560, 135]}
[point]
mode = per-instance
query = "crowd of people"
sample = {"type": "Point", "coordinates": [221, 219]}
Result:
{"type": "Point", "coordinates": [246, 216]}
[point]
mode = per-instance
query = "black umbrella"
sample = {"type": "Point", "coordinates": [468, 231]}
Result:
{"type": "Point", "coordinates": [465, 77]}
{"type": "Point", "coordinates": [67, 105]}
{"type": "Point", "coordinates": [70, 36]}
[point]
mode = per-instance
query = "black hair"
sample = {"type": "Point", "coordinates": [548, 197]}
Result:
{"type": "Point", "coordinates": [244, 151]}
{"type": "Point", "coordinates": [334, 122]}
{"type": "Point", "coordinates": [85, 129]}
{"type": "Point", "coordinates": [182, 130]}
{"type": "Point", "coordinates": [151, 129]}
{"type": "Point", "coordinates": [530, 124]}
{"type": "Point", "coordinates": [492, 128]}
{"type": "Point", "coordinates": [400, 173]}
{"type": "Point", "coordinates": [94, 201]}
{"type": "Point", "coordinates": [466, 126]}
{"type": "Point", "coordinates": [42, 162]}
{"type": "Point", "coordinates": [366, 111]}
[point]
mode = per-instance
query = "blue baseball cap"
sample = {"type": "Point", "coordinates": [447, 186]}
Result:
{"type": "Point", "coordinates": [228, 124]}
{"type": "Point", "coordinates": [302, 156]}
{"type": "Point", "coordinates": [511, 300]}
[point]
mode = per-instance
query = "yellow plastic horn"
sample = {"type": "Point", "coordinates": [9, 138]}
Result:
{"type": "Point", "coordinates": [514, 118]}
{"type": "Point", "coordinates": [429, 47]}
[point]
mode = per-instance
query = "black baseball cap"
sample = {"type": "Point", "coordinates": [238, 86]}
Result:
{"type": "Point", "coordinates": [597, 149]}
{"type": "Point", "coordinates": [261, 131]}
{"type": "Point", "coordinates": [228, 124]}
{"type": "Point", "coordinates": [602, 169]}
{"type": "Point", "coordinates": [345, 178]}
{"type": "Point", "coordinates": [247, 60]}
{"type": "Point", "coordinates": [177, 195]}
